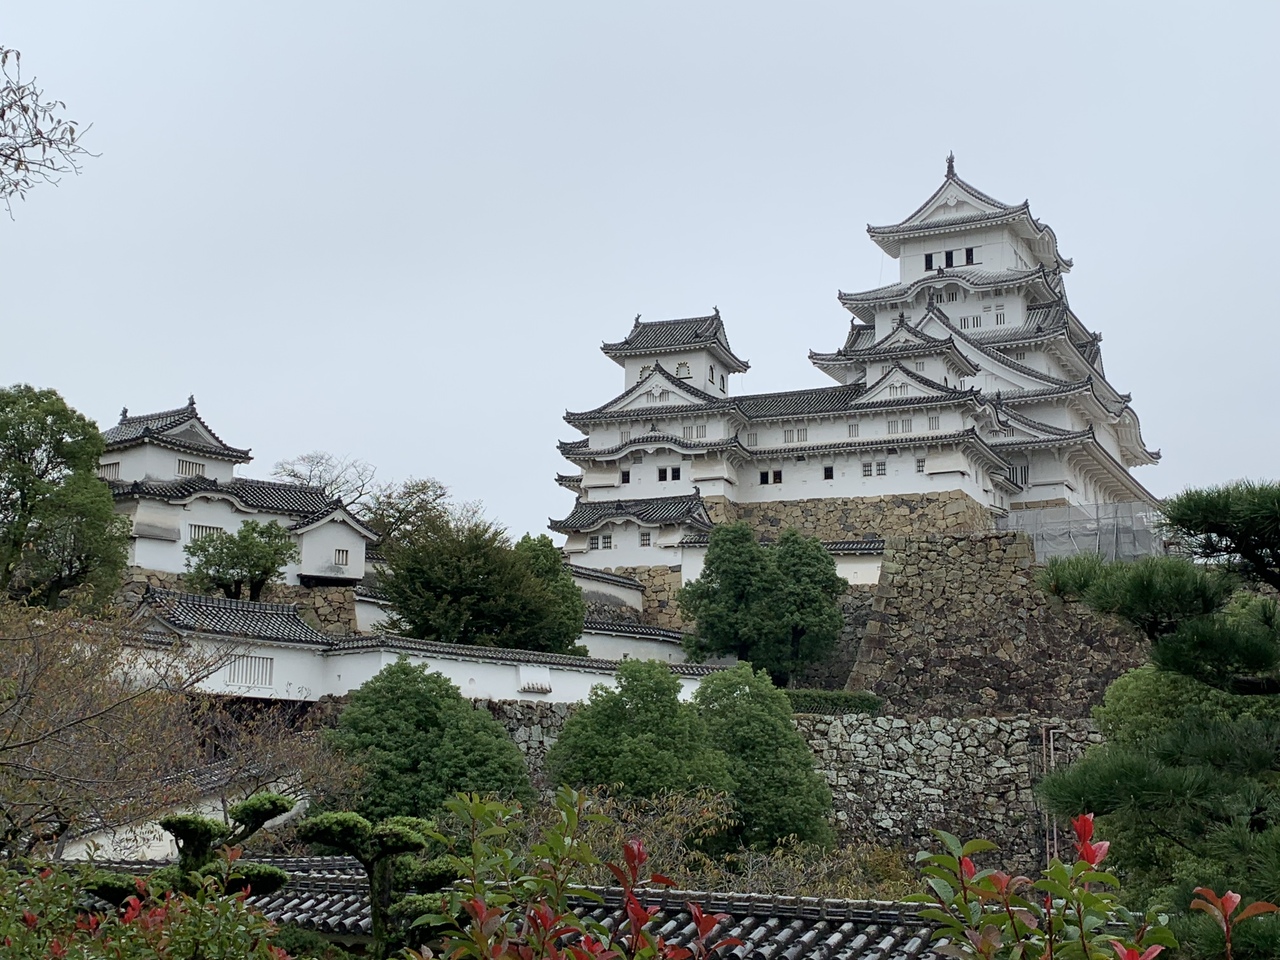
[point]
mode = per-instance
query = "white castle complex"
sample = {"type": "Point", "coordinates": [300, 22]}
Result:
{"type": "Point", "coordinates": [966, 391]}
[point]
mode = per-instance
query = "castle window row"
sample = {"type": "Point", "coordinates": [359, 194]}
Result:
{"type": "Point", "coordinates": [950, 258]}
{"type": "Point", "coordinates": [663, 471]}
{"type": "Point", "coordinates": [696, 432]}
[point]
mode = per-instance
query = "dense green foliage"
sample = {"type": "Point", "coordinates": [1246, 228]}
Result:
{"type": "Point", "coordinates": [451, 575]}
{"type": "Point", "coordinates": [59, 535]}
{"type": "Point", "coordinates": [640, 738]}
{"type": "Point", "coordinates": [735, 736]}
{"type": "Point", "coordinates": [1186, 780]}
{"type": "Point", "coordinates": [251, 558]}
{"type": "Point", "coordinates": [773, 606]}
{"type": "Point", "coordinates": [418, 742]}
{"type": "Point", "coordinates": [777, 792]}
{"type": "Point", "coordinates": [832, 702]}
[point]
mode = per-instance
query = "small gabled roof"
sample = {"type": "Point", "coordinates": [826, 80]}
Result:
{"type": "Point", "coordinates": [658, 375]}
{"type": "Point", "coordinates": [902, 342]}
{"type": "Point", "coordinates": [335, 510]}
{"type": "Point", "coordinates": [973, 208]}
{"type": "Point", "coordinates": [181, 429]}
{"type": "Point", "coordinates": [862, 304]}
{"type": "Point", "coordinates": [654, 512]}
{"type": "Point", "coordinates": [248, 619]}
{"type": "Point", "coordinates": [938, 392]}
{"type": "Point", "coordinates": [653, 337]}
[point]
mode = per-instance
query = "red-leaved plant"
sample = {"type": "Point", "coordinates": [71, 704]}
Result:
{"type": "Point", "coordinates": [1070, 913]}
{"type": "Point", "coordinates": [1223, 910]}
{"type": "Point", "coordinates": [510, 907]}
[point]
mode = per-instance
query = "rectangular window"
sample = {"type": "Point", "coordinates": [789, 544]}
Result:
{"type": "Point", "coordinates": [341, 558]}
{"type": "Point", "coordinates": [828, 473]}
{"type": "Point", "coordinates": [881, 468]}
{"type": "Point", "coordinates": [646, 538]}
{"type": "Point", "coordinates": [764, 478]}
{"type": "Point", "coordinates": [802, 434]}
{"type": "Point", "coordinates": [1024, 474]}
{"type": "Point", "coordinates": [700, 431]}
{"type": "Point", "coordinates": [853, 429]}
{"type": "Point", "coordinates": [893, 426]}
{"type": "Point", "coordinates": [626, 476]}
{"type": "Point", "coordinates": [788, 436]}
{"type": "Point", "coordinates": [752, 439]}
{"type": "Point", "coordinates": [906, 425]}
{"type": "Point", "coordinates": [952, 295]}
{"type": "Point", "coordinates": [190, 468]}
{"type": "Point", "coordinates": [109, 471]}
{"type": "Point", "coordinates": [919, 464]}
{"type": "Point", "coordinates": [664, 396]}
{"type": "Point", "coordinates": [198, 530]}
{"type": "Point", "coordinates": [968, 255]}
{"type": "Point", "coordinates": [884, 368]}
{"type": "Point", "coordinates": [638, 457]}
{"type": "Point", "coordinates": [999, 319]}
{"type": "Point", "coordinates": [935, 423]}
{"type": "Point", "coordinates": [722, 383]}
{"type": "Point", "coordinates": [1020, 355]}
{"type": "Point", "coordinates": [950, 258]}
{"type": "Point", "coordinates": [688, 433]}
{"type": "Point", "coordinates": [897, 390]}
{"type": "Point", "coordinates": [675, 473]}
{"type": "Point", "coordinates": [625, 436]}
{"type": "Point", "coordinates": [964, 323]}
{"type": "Point", "coordinates": [711, 374]}
{"type": "Point", "coordinates": [251, 671]}
{"type": "Point", "coordinates": [919, 366]}
{"type": "Point", "coordinates": [606, 542]}
{"type": "Point", "coordinates": [928, 261]}
{"type": "Point", "coordinates": [977, 321]}
{"type": "Point", "coordinates": [866, 469]}
{"type": "Point", "coordinates": [662, 473]}
{"type": "Point", "coordinates": [593, 542]}
{"type": "Point", "coordinates": [777, 476]}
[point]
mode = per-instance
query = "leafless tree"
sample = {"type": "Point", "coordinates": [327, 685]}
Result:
{"type": "Point", "coordinates": [348, 479]}
{"type": "Point", "coordinates": [38, 144]}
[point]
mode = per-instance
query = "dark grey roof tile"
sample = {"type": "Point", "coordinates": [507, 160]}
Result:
{"type": "Point", "coordinates": [189, 612]}
{"type": "Point", "coordinates": [655, 511]}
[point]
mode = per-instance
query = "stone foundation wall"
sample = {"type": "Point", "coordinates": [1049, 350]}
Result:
{"type": "Point", "coordinates": [893, 780]}
{"type": "Point", "coordinates": [604, 606]}
{"type": "Point", "coordinates": [329, 609]}
{"type": "Point", "coordinates": [852, 518]}
{"type": "Point", "coordinates": [958, 629]}
{"type": "Point", "coordinates": [833, 673]}
{"type": "Point", "coordinates": [660, 586]}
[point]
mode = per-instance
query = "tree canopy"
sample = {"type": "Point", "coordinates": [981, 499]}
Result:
{"type": "Point", "coordinates": [418, 742]}
{"type": "Point", "coordinates": [773, 606]}
{"type": "Point", "coordinates": [1186, 778]}
{"type": "Point", "coordinates": [60, 537]}
{"type": "Point", "coordinates": [250, 558]}
{"type": "Point", "coordinates": [348, 479]}
{"type": "Point", "coordinates": [454, 576]}
{"type": "Point", "coordinates": [777, 791]}
{"type": "Point", "coordinates": [640, 738]}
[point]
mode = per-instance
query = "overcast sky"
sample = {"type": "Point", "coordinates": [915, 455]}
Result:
{"type": "Point", "coordinates": [401, 231]}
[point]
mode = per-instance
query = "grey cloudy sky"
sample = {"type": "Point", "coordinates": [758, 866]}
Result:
{"type": "Point", "coordinates": [401, 230]}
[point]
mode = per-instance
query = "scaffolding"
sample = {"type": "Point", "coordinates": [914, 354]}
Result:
{"type": "Point", "coordinates": [1115, 531]}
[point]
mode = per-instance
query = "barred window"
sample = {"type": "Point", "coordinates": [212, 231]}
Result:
{"type": "Point", "coordinates": [626, 476]}
{"type": "Point", "coordinates": [593, 542]}
{"type": "Point", "coordinates": [853, 428]}
{"type": "Point", "coordinates": [802, 434]}
{"type": "Point", "coordinates": [688, 433]}
{"type": "Point", "coordinates": [197, 531]}
{"type": "Point", "coordinates": [251, 671]}
{"type": "Point", "coordinates": [881, 468]}
{"type": "Point", "coordinates": [788, 436]}
{"type": "Point", "coordinates": [866, 469]}
{"type": "Point", "coordinates": [893, 426]}
{"type": "Point", "coordinates": [906, 425]}
{"type": "Point", "coordinates": [752, 439]}
{"type": "Point", "coordinates": [606, 541]}
{"type": "Point", "coordinates": [828, 473]}
{"type": "Point", "coordinates": [700, 431]}
{"type": "Point", "coordinates": [341, 558]}
{"type": "Point", "coordinates": [109, 471]}
{"type": "Point", "coordinates": [935, 423]}
{"type": "Point", "coordinates": [919, 464]}
{"type": "Point", "coordinates": [190, 468]}
{"type": "Point", "coordinates": [646, 538]}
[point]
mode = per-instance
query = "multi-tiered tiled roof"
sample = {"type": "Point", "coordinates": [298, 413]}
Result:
{"type": "Point", "coordinates": [180, 429]}
{"type": "Point", "coordinates": [293, 499]}
{"type": "Point", "coordinates": [653, 338]}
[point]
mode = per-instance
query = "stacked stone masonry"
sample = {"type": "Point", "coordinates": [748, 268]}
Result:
{"type": "Point", "coordinates": [833, 672]}
{"type": "Point", "coordinates": [329, 609]}
{"type": "Point", "coordinates": [661, 584]}
{"type": "Point", "coordinates": [959, 629]}
{"type": "Point", "coordinates": [893, 780]}
{"type": "Point", "coordinates": [852, 518]}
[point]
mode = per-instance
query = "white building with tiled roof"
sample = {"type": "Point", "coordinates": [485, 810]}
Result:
{"type": "Point", "coordinates": [968, 387]}
{"type": "Point", "coordinates": [174, 478]}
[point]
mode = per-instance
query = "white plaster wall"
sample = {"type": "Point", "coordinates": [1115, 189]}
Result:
{"type": "Point", "coordinates": [859, 568]}
{"type": "Point", "coordinates": [370, 614]}
{"type": "Point", "coordinates": [609, 646]}
{"type": "Point", "coordinates": [318, 546]}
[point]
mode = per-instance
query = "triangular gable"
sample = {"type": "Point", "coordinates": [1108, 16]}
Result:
{"type": "Point", "coordinates": [938, 324]}
{"type": "Point", "coordinates": [195, 431]}
{"type": "Point", "coordinates": [647, 393]}
{"type": "Point", "coordinates": [897, 377]}
{"type": "Point", "coordinates": [338, 514]}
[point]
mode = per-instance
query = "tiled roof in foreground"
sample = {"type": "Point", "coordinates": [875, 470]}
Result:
{"type": "Point", "coordinates": [194, 613]}
{"type": "Point", "coordinates": [587, 515]}
{"type": "Point", "coordinates": [293, 499]}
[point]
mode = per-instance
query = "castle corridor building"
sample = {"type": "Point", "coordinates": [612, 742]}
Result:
{"type": "Point", "coordinates": [967, 389]}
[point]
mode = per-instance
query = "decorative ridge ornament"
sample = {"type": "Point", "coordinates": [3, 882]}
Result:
{"type": "Point", "coordinates": [951, 165]}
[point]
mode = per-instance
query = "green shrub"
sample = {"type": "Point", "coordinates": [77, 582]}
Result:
{"type": "Point", "coordinates": [307, 945]}
{"type": "Point", "coordinates": [1070, 577]}
{"type": "Point", "coordinates": [833, 702]}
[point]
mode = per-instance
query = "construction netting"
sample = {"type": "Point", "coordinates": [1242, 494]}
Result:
{"type": "Point", "coordinates": [1117, 531]}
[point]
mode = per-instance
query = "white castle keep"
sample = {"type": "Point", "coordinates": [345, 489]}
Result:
{"type": "Point", "coordinates": [966, 390]}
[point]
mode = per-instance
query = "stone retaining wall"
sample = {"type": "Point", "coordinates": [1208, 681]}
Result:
{"type": "Point", "coordinates": [661, 584]}
{"type": "Point", "coordinates": [852, 518]}
{"type": "Point", "coordinates": [894, 779]}
{"type": "Point", "coordinates": [833, 672]}
{"type": "Point", "coordinates": [958, 629]}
